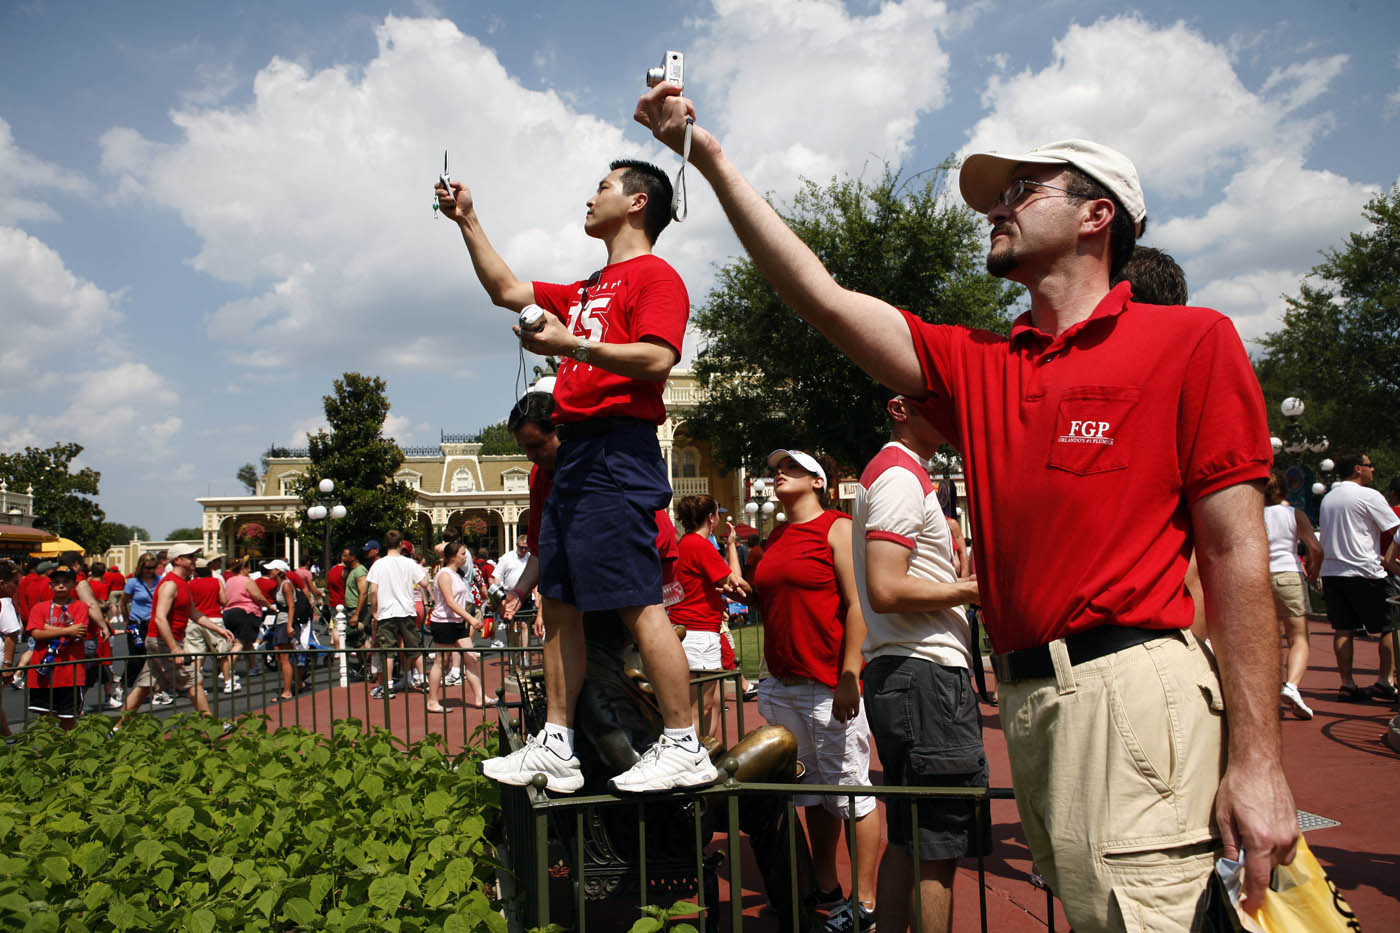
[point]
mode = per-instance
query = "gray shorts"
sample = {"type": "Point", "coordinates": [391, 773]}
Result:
{"type": "Point", "coordinates": [928, 731]}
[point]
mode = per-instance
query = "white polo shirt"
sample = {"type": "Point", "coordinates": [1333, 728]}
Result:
{"type": "Point", "coordinates": [1352, 519]}
{"type": "Point", "coordinates": [897, 501]}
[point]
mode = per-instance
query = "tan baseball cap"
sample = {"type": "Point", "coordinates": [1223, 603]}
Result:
{"type": "Point", "coordinates": [985, 175]}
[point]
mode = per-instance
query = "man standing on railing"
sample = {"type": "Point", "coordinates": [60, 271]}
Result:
{"type": "Point", "coordinates": [1104, 440]}
{"type": "Point", "coordinates": [620, 332]}
{"type": "Point", "coordinates": [918, 655]}
{"type": "Point", "coordinates": [173, 609]}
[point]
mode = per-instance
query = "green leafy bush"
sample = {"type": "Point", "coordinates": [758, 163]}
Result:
{"type": "Point", "coordinates": [169, 825]}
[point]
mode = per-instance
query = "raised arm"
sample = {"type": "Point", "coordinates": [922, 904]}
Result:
{"type": "Point", "coordinates": [870, 331]}
{"type": "Point", "coordinates": [1254, 806]}
{"type": "Point", "coordinates": [500, 283]}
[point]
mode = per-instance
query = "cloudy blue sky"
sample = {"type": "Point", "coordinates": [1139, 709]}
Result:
{"type": "Point", "coordinates": [208, 211]}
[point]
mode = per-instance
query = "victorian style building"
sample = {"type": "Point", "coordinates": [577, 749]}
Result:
{"type": "Point", "coordinates": [456, 484]}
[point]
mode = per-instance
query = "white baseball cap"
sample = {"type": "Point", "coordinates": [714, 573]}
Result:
{"type": "Point", "coordinates": [804, 460]}
{"type": "Point", "coordinates": [182, 550]}
{"type": "Point", "coordinates": [277, 564]}
{"type": "Point", "coordinates": [985, 175]}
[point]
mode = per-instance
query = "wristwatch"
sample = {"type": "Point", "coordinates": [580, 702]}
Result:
{"type": "Point", "coordinates": [580, 352]}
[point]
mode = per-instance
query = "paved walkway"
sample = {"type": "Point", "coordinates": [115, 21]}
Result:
{"type": "Point", "coordinates": [1337, 765]}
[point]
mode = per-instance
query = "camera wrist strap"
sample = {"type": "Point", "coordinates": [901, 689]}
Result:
{"type": "Point", "coordinates": [680, 202]}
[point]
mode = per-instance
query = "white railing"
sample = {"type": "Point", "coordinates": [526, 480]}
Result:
{"type": "Point", "coordinates": [690, 486]}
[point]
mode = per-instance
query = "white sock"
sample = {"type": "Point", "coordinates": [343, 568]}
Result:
{"type": "Point", "coordinates": [685, 738]}
{"type": "Point", "coordinates": [456, 672]}
{"type": "Point", "coordinates": [558, 739]}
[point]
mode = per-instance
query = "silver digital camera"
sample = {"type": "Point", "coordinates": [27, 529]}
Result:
{"type": "Point", "coordinates": [672, 69]}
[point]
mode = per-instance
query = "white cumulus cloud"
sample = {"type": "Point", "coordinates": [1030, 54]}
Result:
{"type": "Point", "coordinates": [1174, 102]}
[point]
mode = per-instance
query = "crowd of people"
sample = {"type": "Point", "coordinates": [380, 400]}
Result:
{"type": "Point", "coordinates": [180, 613]}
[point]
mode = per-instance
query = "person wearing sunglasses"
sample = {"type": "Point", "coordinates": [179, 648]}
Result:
{"type": "Point", "coordinates": [1138, 435]}
{"type": "Point", "coordinates": [619, 332]}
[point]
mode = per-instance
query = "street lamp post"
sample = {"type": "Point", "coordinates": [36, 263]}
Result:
{"type": "Point", "coordinates": [1296, 443]}
{"type": "Point", "coordinates": [324, 510]}
{"type": "Point", "coordinates": [762, 502]}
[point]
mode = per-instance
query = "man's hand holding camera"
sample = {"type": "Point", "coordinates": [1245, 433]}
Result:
{"type": "Point", "coordinates": [664, 111]}
{"type": "Point", "coordinates": [549, 337]}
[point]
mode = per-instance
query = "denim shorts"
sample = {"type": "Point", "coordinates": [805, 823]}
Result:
{"type": "Point", "coordinates": [928, 731]}
{"type": "Point", "coordinates": [597, 547]}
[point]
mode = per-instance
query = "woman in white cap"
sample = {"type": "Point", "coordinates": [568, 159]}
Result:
{"type": "Point", "coordinates": [813, 629]}
{"type": "Point", "coordinates": [293, 611]}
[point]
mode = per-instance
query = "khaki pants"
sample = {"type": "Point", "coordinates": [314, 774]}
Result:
{"type": "Point", "coordinates": [201, 641]}
{"type": "Point", "coordinates": [1115, 763]}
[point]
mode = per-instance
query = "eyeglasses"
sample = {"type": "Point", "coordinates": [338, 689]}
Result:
{"type": "Point", "coordinates": [1016, 192]}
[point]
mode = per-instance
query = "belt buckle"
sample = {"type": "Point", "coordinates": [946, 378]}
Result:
{"type": "Point", "coordinates": [1001, 667]}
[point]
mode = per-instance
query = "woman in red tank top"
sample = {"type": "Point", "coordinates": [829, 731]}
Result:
{"type": "Point", "coordinates": [812, 634]}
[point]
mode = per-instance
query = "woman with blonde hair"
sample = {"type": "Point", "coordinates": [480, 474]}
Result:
{"type": "Point", "coordinates": [1288, 527]}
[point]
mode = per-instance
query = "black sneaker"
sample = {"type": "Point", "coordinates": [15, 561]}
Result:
{"type": "Point", "coordinates": [843, 920]}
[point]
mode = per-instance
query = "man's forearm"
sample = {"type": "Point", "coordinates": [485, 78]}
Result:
{"type": "Point", "coordinates": [915, 594]}
{"type": "Point", "coordinates": [868, 330]}
{"type": "Point", "coordinates": [495, 276]}
{"type": "Point", "coordinates": [649, 362]}
{"type": "Point", "coordinates": [1243, 631]}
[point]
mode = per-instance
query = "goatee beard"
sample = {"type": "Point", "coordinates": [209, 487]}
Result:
{"type": "Point", "coordinates": [999, 264]}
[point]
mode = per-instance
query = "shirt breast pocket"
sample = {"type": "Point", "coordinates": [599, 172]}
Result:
{"type": "Point", "coordinates": [1093, 429]}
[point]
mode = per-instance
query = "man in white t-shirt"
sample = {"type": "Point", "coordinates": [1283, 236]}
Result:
{"type": "Point", "coordinates": [392, 582]}
{"type": "Point", "coordinates": [510, 567]}
{"type": "Point", "coordinates": [1352, 520]}
{"type": "Point", "coordinates": [917, 652]}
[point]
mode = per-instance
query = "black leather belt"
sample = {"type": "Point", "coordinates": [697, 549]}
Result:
{"type": "Point", "coordinates": [597, 427]}
{"type": "Point", "coordinates": [1033, 663]}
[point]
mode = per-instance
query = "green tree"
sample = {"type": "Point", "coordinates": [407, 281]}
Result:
{"type": "Point", "coordinates": [772, 379]}
{"type": "Point", "coordinates": [117, 533]}
{"type": "Point", "coordinates": [61, 503]}
{"type": "Point", "coordinates": [248, 475]}
{"type": "Point", "coordinates": [1339, 346]}
{"type": "Point", "coordinates": [185, 534]}
{"type": "Point", "coordinates": [361, 461]}
{"type": "Point", "coordinates": [496, 440]}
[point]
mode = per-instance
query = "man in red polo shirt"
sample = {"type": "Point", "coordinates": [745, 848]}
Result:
{"type": "Point", "coordinates": [1137, 433]}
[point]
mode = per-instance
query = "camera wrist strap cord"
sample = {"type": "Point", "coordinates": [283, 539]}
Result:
{"type": "Point", "coordinates": [680, 202]}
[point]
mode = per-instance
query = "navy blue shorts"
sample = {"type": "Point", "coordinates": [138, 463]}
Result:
{"type": "Point", "coordinates": [598, 531]}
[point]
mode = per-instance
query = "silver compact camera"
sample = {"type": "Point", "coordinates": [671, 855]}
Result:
{"type": "Point", "coordinates": [672, 69]}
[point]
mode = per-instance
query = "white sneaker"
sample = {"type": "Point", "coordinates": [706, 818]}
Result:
{"type": "Point", "coordinates": [498, 644]}
{"type": "Point", "coordinates": [667, 765]}
{"type": "Point", "coordinates": [114, 702]}
{"type": "Point", "coordinates": [416, 679]}
{"type": "Point", "coordinates": [162, 699]}
{"type": "Point", "coordinates": [228, 686]}
{"type": "Point", "coordinates": [565, 775]}
{"type": "Point", "coordinates": [452, 679]}
{"type": "Point", "coordinates": [1290, 696]}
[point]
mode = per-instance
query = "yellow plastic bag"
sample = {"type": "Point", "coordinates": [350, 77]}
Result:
{"type": "Point", "coordinates": [1301, 899]}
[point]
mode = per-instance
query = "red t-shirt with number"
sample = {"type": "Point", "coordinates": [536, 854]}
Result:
{"type": "Point", "coordinates": [642, 297]}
